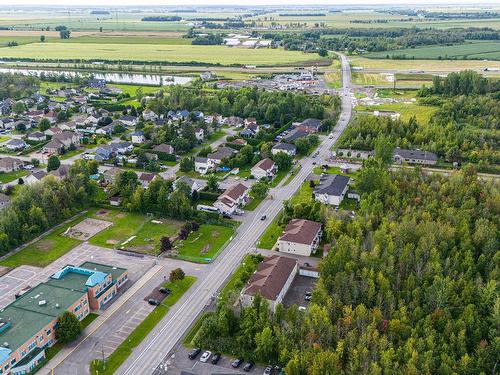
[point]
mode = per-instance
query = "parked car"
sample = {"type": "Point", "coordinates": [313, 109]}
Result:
{"type": "Point", "coordinates": [205, 356]}
{"type": "Point", "coordinates": [268, 370]}
{"type": "Point", "coordinates": [153, 302]}
{"type": "Point", "coordinates": [237, 362]}
{"type": "Point", "coordinates": [165, 290]}
{"type": "Point", "coordinates": [216, 358]}
{"type": "Point", "coordinates": [308, 297]}
{"type": "Point", "coordinates": [194, 353]}
{"type": "Point", "coordinates": [248, 366]}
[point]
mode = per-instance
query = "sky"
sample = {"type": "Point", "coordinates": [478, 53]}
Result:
{"type": "Point", "coordinates": [110, 3]}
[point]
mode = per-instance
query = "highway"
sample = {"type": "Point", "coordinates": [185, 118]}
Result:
{"type": "Point", "coordinates": [150, 354]}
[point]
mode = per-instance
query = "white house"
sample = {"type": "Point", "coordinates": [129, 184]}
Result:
{"type": "Point", "coordinates": [149, 115]}
{"type": "Point", "coordinates": [331, 189]}
{"type": "Point", "coordinates": [129, 120]}
{"type": "Point", "coordinates": [35, 176]}
{"type": "Point", "coordinates": [36, 137]}
{"type": "Point", "coordinates": [138, 138]}
{"type": "Point", "coordinates": [203, 165]}
{"type": "Point", "coordinates": [199, 133]}
{"type": "Point", "coordinates": [232, 199]}
{"type": "Point", "coordinates": [287, 148]}
{"type": "Point", "coordinates": [300, 237]}
{"type": "Point", "coordinates": [266, 168]}
{"type": "Point", "coordinates": [193, 184]}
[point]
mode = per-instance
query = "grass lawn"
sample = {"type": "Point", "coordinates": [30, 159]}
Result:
{"type": "Point", "coordinates": [125, 225]}
{"type": "Point", "coordinates": [147, 238]}
{"type": "Point", "coordinates": [122, 352]}
{"type": "Point", "coordinates": [47, 249]}
{"type": "Point", "coordinates": [279, 176]}
{"type": "Point", "coordinates": [253, 204]}
{"type": "Point", "coordinates": [292, 175]}
{"type": "Point", "coordinates": [132, 89]}
{"type": "Point", "coordinates": [4, 138]}
{"type": "Point", "coordinates": [334, 170]}
{"type": "Point", "coordinates": [422, 113]}
{"type": "Point", "coordinates": [202, 245]}
{"type": "Point", "coordinates": [71, 153]}
{"type": "Point", "coordinates": [157, 52]}
{"type": "Point", "coordinates": [11, 176]}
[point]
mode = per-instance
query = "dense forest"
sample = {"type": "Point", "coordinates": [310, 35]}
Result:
{"type": "Point", "coordinates": [43, 205]}
{"type": "Point", "coordinates": [17, 86]}
{"type": "Point", "coordinates": [265, 106]}
{"type": "Point", "coordinates": [409, 286]}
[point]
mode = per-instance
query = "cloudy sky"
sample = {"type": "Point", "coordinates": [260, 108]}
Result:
{"type": "Point", "coordinates": [109, 3]}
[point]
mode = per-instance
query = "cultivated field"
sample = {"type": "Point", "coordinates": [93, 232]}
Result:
{"type": "Point", "coordinates": [472, 50]}
{"type": "Point", "coordinates": [158, 53]}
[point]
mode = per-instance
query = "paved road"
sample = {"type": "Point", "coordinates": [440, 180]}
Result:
{"type": "Point", "coordinates": [151, 353]}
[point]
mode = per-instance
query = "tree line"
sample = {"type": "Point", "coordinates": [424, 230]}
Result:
{"type": "Point", "coordinates": [16, 86]}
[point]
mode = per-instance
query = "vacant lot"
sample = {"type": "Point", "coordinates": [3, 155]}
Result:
{"type": "Point", "coordinates": [204, 244]}
{"type": "Point", "coordinates": [158, 52]}
{"type": "Point", "coordinates": [470, 50]}
{"type": "Point", "coordinates": [147, 238]}
{"type": "Point", "coordinates": [422, 113]}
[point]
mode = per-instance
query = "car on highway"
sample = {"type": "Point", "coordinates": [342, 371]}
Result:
{"type": "Point", "coordinates": [153, 302]}
{"type": "Point", "coordinates": [268, 370]}
{"type": "Point", "coordinates": [237, 362]}
{"type": "Point", "coordinates": [205, 356]}
{"type": "Point", "coordinates": [194, 353]}
{"type": "Point", "coordinates": [216, 358]}
{"type": "Point", "coordinates": [263, 217]}
{"type": "Point", "coordinates": [248, 366]}
{"type": "Point", "coordinates": [165, 291]}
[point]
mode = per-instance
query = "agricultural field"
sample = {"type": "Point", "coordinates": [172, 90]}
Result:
{"type": "Point", "coordinates": [472, 50]}
{"type": "Point", "coordinates": [159, 53]}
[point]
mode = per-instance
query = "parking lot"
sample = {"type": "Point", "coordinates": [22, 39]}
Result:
{"type": "Point", "coordinates": [297, 291]}
{"type": "Point", "coordinates": [24, 276]}
{"type": "Point", "coordinates": [179, 363]}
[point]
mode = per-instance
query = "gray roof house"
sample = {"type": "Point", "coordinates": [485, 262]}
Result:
{"type": "Point", "coordinates": [331, 189]}
{"type": "Point", "coordinates": [284, 147]}
{"type": "Point", "coordinates": [401, 156]}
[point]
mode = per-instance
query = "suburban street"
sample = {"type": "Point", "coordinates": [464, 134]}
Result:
{"type": "Point", "coordinates": [150, 356]}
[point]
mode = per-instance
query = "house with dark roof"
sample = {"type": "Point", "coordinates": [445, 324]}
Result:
{"type": "Point", "coordinates": [310, 125]}
{"type": "Point", "coordinates": [331, 189]}
{"type": "Point", "coordinates": [272, 280]}
{"type": "Point", "coordinates": [146, 178]}
{"type": "Point", "coordinates": [294, 135]}
{"type": "Point", "coordinates": [401, 156]}
{"type": "Point", "coordinates": [165, 148]}
{"type": "Point", "coordinates": [34, 177]}
{"type": "Point", "coordinates": [232, 199]}
{"type": "Point", "coordinates": [300, 237]}
{"type": "Point", "coordinates": [36, 137]}
{"type": "Point", "coordinates": [16, 144]}
{"type": "Point", "coordinates": [287, 148]}
{"type": "Point", "coordinates": [203, 165]}
{"type": "Point", "coordinates": [264, 169]}
{"type": "Point", "coordinates": [221, 154]}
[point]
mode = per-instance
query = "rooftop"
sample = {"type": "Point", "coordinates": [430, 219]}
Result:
{"type": "Point", "coordinates": [332, 185]}
{"type": "Point", "coordinates": [114, 271]}
{"type": "Point", "coordinates": [301, 231]}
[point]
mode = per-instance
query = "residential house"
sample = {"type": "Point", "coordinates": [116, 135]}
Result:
{"type": "Point", "coordinates": [250, 121]}
{"type": "Point", "coordinates": [7, 123]}
{"type": "Point", "coordinates": [138, 137]}
{"type": "Point", "coordinates": [164, 148]}
{"type": "Point", "coordinates": [264, 169]}
{"type": "Point", "coordinates": [193, 184]}
{"type": "Point", "coordinates": [310, 125]}
{"type": "Point", "coordinates": [68, 126]}
{"type": "Point", "coordinates": [300, 237]}
{"type": "Point", "coordinates": [111, 174]}
{"type": "Point", "coordinates": [105, 130]}
{"type": "Point", "coordinates": [232, 199]}
{"type": "Point", "coordinates": [401, 156]}
{"type": "Point", "coordinates": [61, 172]}
{"type": "Point", "coordinates": [129, 120]}
{"type": "Point", "coordinates": [122, 147]}
{"type": "Point", "coordinates": [36, 137]}
{"type": "Point", "coordinates": [239, 142]}
{"type": "Point", "coordinates": [35, 114]}
{"type": "Point", "coordinates": [5, 108]}
{"type": "Point", "coordinates": [103, 153]}
{"type": "Point", "coordinates": [234, 121]}
{"type": "Point", "coordinates": [178, 115]}
{"type": "Point", "coordinates": [62, 141]}
{"type": "Point", "coordinates": [16, 144]}
{"type": "Point", "coordinates": [221, 154]}
{"type": "Point", "coordinates": [271, 280]}
{"type": "Point", "coordinates": [149, 115]}
{"type": "Point", "coordinates": [53, 131]}
{"type": "Point", "coordinates": [331, 189]}
{"type": "Point", "coordinates": [199, 133]}
{"type": "Point", "coordinates": [8, 164]}
{"type": "Point", "coordinates": [95, 83]}
{"type": "Point", "coordinates": [34, 177]}
{"type": "Point", "coordinates": [146, 178]}
{"type": "Point", "coordinates": [287, 148]}
{"type": "Point", "coordinates": [198, 115]}
{"type": "Point", "coordinates": [203, 165]}
{"type": "Point", "coordinates": [295, 134]}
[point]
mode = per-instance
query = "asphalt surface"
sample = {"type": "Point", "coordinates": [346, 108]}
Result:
{"type": "Point", "coordinates": [152, 352]}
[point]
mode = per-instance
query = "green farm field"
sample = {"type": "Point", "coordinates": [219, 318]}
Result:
{"type": "Point", "coordinates": [471, 50]}
{"type": "Point", "coordinates": [156, 52]}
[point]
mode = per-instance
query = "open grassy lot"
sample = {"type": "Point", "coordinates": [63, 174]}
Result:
{"type": "Point", "coordinates": [202, 245]}
{"type": "Point", "coordinates": [370, 79]}
{"type": "Point", "coordinates": [158, 52]}
{"type": "Point", "coordinates": [125, 224]}
{"type": "Point", "coordinates": [48, 248]}
{"type": "Point", "coordinates": [11, 176]}
{"type": "Point", "coordinates": [423, 113]}
{"type": "Point", "coordinates": [114, 361]}
{"type": "Point", "coordinates": [334, 170]}
{"type": "Point", "coordinates": [472, 50]}
{"type": "Point", "coordinates": [147, 238]}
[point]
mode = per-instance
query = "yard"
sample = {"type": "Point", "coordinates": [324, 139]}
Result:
{"type": "Point", "coordinates": [203, 245]}
{"type": "Point", "coordinates": [114, 361]}
{"type": "Point", "coordinates": [47, 249]}
{"type": "Point", "coordinates": [422, 113]}
{"type": "Point", "coordinates": [11, 176]}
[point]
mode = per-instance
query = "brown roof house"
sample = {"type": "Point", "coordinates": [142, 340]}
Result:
{"type": "Point", "coordinates": [271, 280]}
{"type": "Point", "coordinates": [232, 199]}
{"type": "Point", "coordinates": [264, 169]}
{"type": "Point", "coordinates": [9, 164]}
{"type": "Point", "coordinates": [300, 237]}
{"type": "Point", "coordinates": [146, 178]}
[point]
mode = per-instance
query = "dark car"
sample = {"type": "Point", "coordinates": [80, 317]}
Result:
{"type": "Point", "coordinates": [165, 290]}
{"type": "Point", "coordinates": [268, 370]}
{"type": "Point", "coordinates": [263, 217]}
{"type": "Point", "coordinates": [153, 302]}
{"type": "Point", "coordinates": [237, 362]}
{"type": "Point", "coordinates": [248, 366]}
{"type": "Point", "coordinates": [216, 358]}
{"type": "Point", "coordinates": [194, 353]}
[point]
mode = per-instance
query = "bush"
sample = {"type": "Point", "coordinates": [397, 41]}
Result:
{"type": "Point", "coordinates": [176, 275]}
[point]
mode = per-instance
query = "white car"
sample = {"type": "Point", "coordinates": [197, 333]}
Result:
{"type": "Point", "coordinates": [205, 356]}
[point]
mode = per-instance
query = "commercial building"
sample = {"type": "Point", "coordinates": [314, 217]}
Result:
{"type": "Point", "coordinates": [28, 325]}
